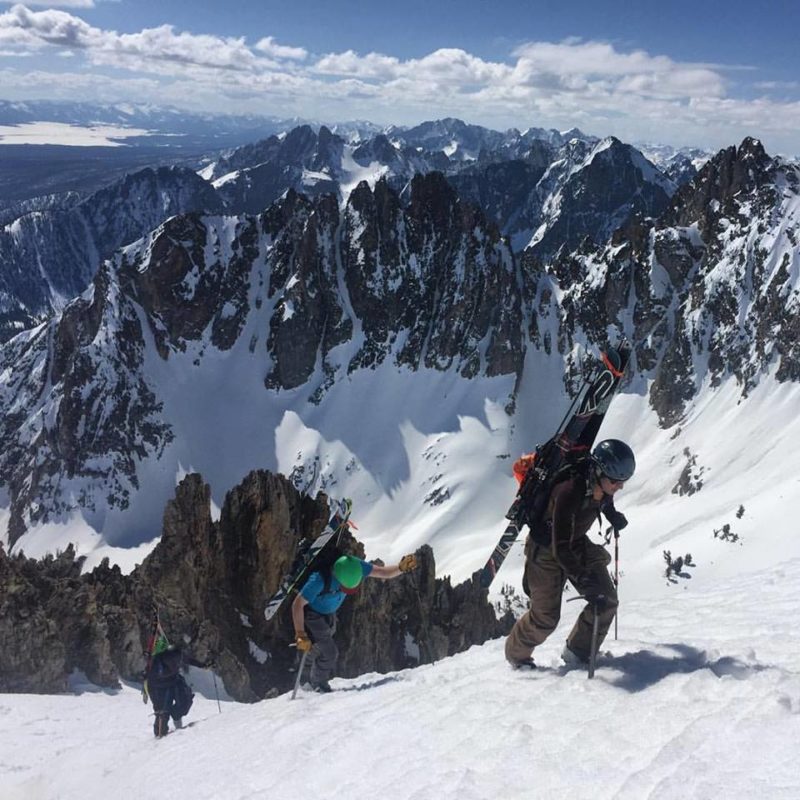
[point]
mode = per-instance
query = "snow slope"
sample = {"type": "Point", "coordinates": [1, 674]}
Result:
{"type": "Point", "coordinates": [426, 458]}
{"type": "Point", "coordinates": [700, 698]}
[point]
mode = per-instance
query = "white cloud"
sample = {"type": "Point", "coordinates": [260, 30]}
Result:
{"type": "Point", "coordinates": [372, 66]}
{"type": "Point", "coordinates": [22, 27]}
{"type": "Point", "coordinates": [632, 94]}
{"type": "Point", "coordinates": [776, 85]}
{"type": "Point", "coordinates": [271, 48]}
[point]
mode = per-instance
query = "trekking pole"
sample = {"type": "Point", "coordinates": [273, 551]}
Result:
{"type": "Point", "coordinates": [216, 693]}
{"type": "Point", "coordinates": [299, 673]}
{"type": "Point", "coordinates": [616, 578]}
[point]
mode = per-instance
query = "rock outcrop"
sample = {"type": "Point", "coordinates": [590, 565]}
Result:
{"type": "Point", "coordinates": [210, 582]}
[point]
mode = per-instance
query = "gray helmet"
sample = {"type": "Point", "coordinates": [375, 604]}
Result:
{"type": "Point", "coordinates": [614, 459]}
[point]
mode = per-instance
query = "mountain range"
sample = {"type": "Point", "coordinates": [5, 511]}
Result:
{"type": "Point", "coordinates": [198, 353]}
{"type": "Point", "coordinates": [375, 345]}
{"type": "Point", "coordinates": [541, 190]}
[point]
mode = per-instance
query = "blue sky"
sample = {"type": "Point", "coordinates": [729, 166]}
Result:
{"type": "Point", "coordinates": [702, 73]}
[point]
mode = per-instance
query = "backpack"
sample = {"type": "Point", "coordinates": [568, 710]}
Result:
{"type": "Point", "coordinates": [184, 696]}
{"type": "Point", "coordinates": [537, 473]}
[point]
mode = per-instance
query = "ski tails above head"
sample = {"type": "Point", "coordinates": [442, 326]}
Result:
{"type": "Point", "coordinates": [338, 522]}
{"type": "Point", "coordinates": [569, 446]}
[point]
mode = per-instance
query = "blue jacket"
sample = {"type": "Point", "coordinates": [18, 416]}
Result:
{"type": "Point", "coordinates": [327, 602]}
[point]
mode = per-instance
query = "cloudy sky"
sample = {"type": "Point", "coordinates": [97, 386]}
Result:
{"type": "Point", "coordinates": [703, 73]}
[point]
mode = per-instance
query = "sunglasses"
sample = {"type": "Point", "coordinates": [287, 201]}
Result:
{"type": "Point", "coordinates": [613, 481]}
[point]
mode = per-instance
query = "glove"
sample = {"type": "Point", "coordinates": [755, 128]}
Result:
{"type": "Point", "coordinates": [591, 590]}
{"type": "Point", "coordinates": [407, 563]}
{"type": "Point", "coordinates": [302, 642]}
{"type": "Point", "coordinates": [616, 518]}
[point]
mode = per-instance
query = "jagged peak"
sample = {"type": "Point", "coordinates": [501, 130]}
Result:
{"type": "Point", "coordinates": [752, 151]}
{"type": "Point", "coordinates": [432, 188]}
{"type": "Point", "coordinates": [731, 172]}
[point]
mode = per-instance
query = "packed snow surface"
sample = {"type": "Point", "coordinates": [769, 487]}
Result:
{"type": "Point", "coordinates": [699, 698]}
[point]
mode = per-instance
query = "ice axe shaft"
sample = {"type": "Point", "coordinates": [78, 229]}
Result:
{"type": "Point", "coordinates": [593, 653]}
{"type": "Point", "coordinates": [299, 674]}
{"type": "Point", "coordinates": [595, 627]}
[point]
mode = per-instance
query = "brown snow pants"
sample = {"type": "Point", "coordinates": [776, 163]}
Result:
{"type": "Point", "coordinates": [546, 581]}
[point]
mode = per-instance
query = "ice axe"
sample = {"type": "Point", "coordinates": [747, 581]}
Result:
{"type": "Point", "coordinates": [595, 625]}
{"type": "Point", "coordinates": [299, 673]}
{"type": "Point", "coordinates": [593, 653]}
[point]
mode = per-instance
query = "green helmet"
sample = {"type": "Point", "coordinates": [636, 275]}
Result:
{"type": "Point", "coordinates": [347, 570]}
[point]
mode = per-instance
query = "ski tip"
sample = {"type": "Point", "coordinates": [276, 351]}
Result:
{"type": "Point", "coordinates": [613, 360]}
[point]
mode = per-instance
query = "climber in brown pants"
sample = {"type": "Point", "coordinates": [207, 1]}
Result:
{"type": "Point", "coordinates": [560, 551]}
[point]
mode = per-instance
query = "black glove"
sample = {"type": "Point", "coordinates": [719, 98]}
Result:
{"type": "Point", "coordinates": [592, 592]}
{"type": "Point", "coordinates": [616, 518]}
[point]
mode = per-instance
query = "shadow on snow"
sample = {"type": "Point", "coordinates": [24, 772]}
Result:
{"type": "Point", "coordinates": [644, 668]}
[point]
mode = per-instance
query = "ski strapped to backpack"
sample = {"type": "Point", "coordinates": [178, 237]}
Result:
{"type": "Point", "coordinates": [308, 553]}
{"type": "Point", "coordinates": [566, 451]}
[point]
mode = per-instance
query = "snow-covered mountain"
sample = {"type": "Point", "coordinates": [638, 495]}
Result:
{"type": "Point", "coordinates": [716, 275]}
{"type": "Point", "coordinates": [300, 298]}
{"type": "Point", "coordinates": [50, 255]}
{"type": "Point", "coordinates": [554, 198]}
{"type": "Point", "coordinates": [54, 148]}
{"type": "Point", "coordinates": [391, 346]}
{"type": "Point", "coordinates": [397, 354]}
{"type": "Point", "coordinates": [461, 141]}
{"type": "Point", "coordinates": [534, 191]}
{"type": "Point", "coordinates": [679, 164]}
{"type": "Point", "coordinates": [314, 163]}
{"type": "Point", "coordinates": [540, 191]}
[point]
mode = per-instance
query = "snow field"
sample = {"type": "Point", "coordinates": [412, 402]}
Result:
{"type": "Point", "coordinates": [700, 698]}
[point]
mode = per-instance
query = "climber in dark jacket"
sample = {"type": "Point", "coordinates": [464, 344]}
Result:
{"type": "Point", "coordinates": [168, 690]}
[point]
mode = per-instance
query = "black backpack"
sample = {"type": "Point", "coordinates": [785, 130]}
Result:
{"type": "Point", "coordinates": [550, 466]}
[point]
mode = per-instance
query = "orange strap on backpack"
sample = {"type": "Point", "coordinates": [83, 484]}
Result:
{"type": "Point", "coordinates": [522, 465]}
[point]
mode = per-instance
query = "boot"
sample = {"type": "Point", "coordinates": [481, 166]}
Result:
{"type": "Point", "coordinates": [161, 725]}
{"type": "Point", "coordinates": [571, 659]}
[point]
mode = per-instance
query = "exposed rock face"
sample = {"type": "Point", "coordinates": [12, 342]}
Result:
{"type": "Point", "coordinates": [555, 196]}
{"type": "Point", "coordinates": [50, 256]}
{"type": "Point", "coordinates": [51, 251]}
{"type": "Point", "coordinates": [434, 275]}
{"type": "Point", "coordinates": [591, 191]}
{"type": "Point", "coordinates": [436, 270]}
{"type": "Point", "coordinates": [210, 581]}
{"type": "Point", "coordinates": [714, 280]}
{"type": "Point", "coordinates": [61, 367]}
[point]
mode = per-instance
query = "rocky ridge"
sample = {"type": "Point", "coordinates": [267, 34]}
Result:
{"type": "Point", "coordinates": [715, 280]}
{"type": "Point", "coordinates": [210, 582]}
{"type": "Point", "coordinates": [525, 183]}
{"type": "Point", "coordinates": [50, 256]}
